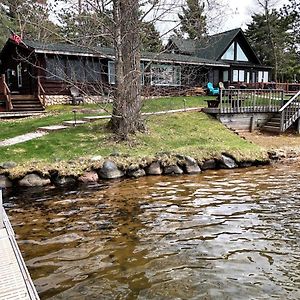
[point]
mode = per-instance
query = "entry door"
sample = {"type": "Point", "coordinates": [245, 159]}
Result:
{"type": "Point", "coordinates": [14, 78]}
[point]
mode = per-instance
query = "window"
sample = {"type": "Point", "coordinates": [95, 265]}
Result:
{"type": "Point", "coordinates": [238, 76]}
{"type": "Point", "coordinates": [168, 75]}
{"type": "Point", "coordinates": [248, 77]}
{"type": "Point", "coordinates": [240, 55]}
{"type": "Point", "coordinates": [55, 67]}
{"type": "Point", "coordinates": [263, 76]}
{"type": "Point", "coordinates": [19, 75]}
{"type": "Point", "coordinates": [235, 76]}
{"type": "Point", "coordinates": [92, 70]}
{"type": "Point", "coordinates": [111, 72]}
{"type": "Point", "coordinates": [225, 75]}
{"type": "Point", "coordinates": [229, 54]}
{"type": "Point", "coordinates": [75, 69]}
{"type": "Point", "coordinates": [241, 75]}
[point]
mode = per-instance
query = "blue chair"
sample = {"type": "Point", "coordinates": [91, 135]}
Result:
{"type": "Point", "coordinates": [211, 90]}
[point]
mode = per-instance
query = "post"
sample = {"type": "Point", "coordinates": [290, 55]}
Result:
{"type": "Point", "coordinates": [298, 126]}
{"type": "Point", "coordinates": [1, 210]}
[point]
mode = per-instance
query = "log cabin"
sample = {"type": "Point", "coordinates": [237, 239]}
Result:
{"type": "Point", "coordinates": [35, 74]}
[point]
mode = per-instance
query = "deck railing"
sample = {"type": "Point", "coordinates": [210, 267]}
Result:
{"type": "Point", "coordinates": [290, 112]}
{"type": "Point", "coordinates": [4, 89]}
{"type": "Point", "coordinates": [249, 101]}
{"type": "Point", "coordinates": [41, 92]}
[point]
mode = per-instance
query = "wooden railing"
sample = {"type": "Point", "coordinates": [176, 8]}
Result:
{"type": "Point", "coordinates": [290, 112]}
{"type": "Point", "coordinates": [6, 92]}
{"type": "Point", "coordinates": [286, 86]}
{"type": "Point", "coordinates": [249, 101]}
{"type": "Point", "coordinates": [41, 93]}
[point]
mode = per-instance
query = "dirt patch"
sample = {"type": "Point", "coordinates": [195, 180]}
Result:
{"type": "Point", "coordinates": [285, 145]}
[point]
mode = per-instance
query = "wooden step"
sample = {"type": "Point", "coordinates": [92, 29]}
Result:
{"type": "Point", "coordinates": [271, 128]}
{"type": "Point", "coordinates": [23, 97]}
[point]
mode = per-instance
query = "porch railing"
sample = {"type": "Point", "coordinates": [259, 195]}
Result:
{"type": "Point", "coordinates": [4, 89]}
{"type": "Point", "coordinates": [250, 100]}
{"type": "Point", "coordinates": [41, 93]}
{"type": "Point", "coordinates": [290, 112]}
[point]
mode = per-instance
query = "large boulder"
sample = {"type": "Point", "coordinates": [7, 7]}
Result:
{"type": "Point", "coordinates": [191, 165]}
{"type": "Point", "coordinates": [136, 173]}
{"type": "Point", "coordinates": [110, 170]}
{"type": "Point", "coordinates": [173, 170]}
{"type": "Point", "coordinates": [227, 162]}
{"type": "Point", "coordinates": [64, 180]}
{"type": "Point", "coordinates": [8, 165]}
{"type": "Point", "coordinates": [154, 169]}
{"type": "Point", "coordinates": [32, 180]}
{"type": "Point", "coordinates": [88, 177]}
{"type": "Point", "coordinates": [209, 164]}
{"type": "Point", "coordinates": [5, 182]}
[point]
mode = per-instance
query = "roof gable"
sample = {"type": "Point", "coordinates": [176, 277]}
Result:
{"type": "Point", "coordinates": [213, 47]}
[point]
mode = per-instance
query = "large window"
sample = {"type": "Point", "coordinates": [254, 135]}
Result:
{"type": "Point", "coordinates": [92, 70]}
{"type": "Point", "coordinates": [229, 54]}
{"type": "Point", "coordinates": [238, 76]}
{"type": "Point", "coordinates": [235, 52]}
{"type": "Point", "coordinates": [263, 76]}
{"type": "Point", "coordinates": [112, 73]}
{"type": "Point", "coordinates": [240, 55]}
{"type": "Point", "coordinates": [56, 68]}
{"type": "Point", "coordinates": [167, 75]}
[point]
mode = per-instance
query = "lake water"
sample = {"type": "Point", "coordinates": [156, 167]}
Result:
{"type": "Point", "coordinates": [217, 235]}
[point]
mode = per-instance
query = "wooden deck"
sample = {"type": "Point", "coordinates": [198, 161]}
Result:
{"type": "Point", "coordinates": [15, 281]}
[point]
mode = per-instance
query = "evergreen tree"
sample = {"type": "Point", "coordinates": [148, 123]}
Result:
{"type": "Point", "coordinates": [193, 20]}
{"type": "Point", "coordinates": [269, 35]}
{"type": "Point", "coordinates": [29, 19]}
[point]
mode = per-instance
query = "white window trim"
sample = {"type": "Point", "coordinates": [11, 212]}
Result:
{"type": "Point", "coordinates": [19, 75]}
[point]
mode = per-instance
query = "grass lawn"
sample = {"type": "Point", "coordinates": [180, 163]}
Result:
{"type": "Point", "coordinates": [59, 113]}
{"type": "Point", "coordinates": [194, 134]}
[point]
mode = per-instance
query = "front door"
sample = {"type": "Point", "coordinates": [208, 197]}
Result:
{"type": "Point", "coordinates": [14, 78]}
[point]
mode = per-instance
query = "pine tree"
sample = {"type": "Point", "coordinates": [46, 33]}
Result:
{"type": "Point", "coordinates": [193, 20]}
{"type": "Point", "coordinates": [269, 35]}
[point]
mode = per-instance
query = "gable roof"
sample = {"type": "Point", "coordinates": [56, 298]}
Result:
{"type": "Point", "coordinates": [214, 46]}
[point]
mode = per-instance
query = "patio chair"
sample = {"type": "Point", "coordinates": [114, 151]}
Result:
{"type": "Point", "coordinates": [211, 90]}
{"type": "Point", "coordinates": [76, 97]}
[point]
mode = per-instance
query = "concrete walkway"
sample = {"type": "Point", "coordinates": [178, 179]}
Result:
{"type": "Point", "coordinates": [41, 131]}
{"type": "Point", "coordinates": [22, 138]}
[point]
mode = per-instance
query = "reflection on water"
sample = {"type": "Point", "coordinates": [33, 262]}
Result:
{"type": "Point", "coordinates": [217, 235]}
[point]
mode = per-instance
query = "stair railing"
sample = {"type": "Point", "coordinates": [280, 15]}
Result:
{"type": "Point", "coordinates": [41, 93]}
{"type": "Point", "coordinates": [6, 91]}
{"type": "Point", "coordinates": [290, 112]}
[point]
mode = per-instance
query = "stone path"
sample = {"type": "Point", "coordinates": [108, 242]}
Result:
{"type": "Point", "coordinates": [22, 138]}
{"type": "Point", "coordinates": [41, 131]}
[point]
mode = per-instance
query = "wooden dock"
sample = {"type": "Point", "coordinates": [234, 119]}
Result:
{"type": "Point", "coordinates": [15, 281]}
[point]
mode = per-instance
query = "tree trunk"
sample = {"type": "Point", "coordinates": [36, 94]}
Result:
{"type": "Point", "coordinates": [126, 116]}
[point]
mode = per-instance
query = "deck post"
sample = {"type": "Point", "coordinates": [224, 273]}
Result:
{"type": "Point", "coordinates": [1, 210]}
{"type": "Point", "coordinates": [298, 126]}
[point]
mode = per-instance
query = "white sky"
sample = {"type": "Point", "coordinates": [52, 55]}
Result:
{"type": "Point", "coordinates": [242, 11]}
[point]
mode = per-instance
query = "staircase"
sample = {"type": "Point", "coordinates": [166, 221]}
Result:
{"type": "Point", "coordinates": [26, 103]}
{"type": "Point", "coordinates": [273, 124]}
{"type": "Point", "coordinates": [288, 114]}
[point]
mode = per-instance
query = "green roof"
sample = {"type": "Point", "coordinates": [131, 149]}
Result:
{"type": "Point", "coordinates": [212, 47]}
{"type": "Point", "coordinates": [70, 49]}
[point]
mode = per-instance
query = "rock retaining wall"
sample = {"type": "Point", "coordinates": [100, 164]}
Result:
{"type": "Point", "coordinates": [98, 168]}
{"type": "Point", "coordinates": [64, 99]}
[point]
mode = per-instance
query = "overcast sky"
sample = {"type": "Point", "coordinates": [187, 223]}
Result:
{"type": "Point", "coordinates": [242, 10]}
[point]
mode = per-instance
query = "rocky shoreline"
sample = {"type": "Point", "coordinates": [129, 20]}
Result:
{"type": "Point", "coordinates": [85, 171]}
